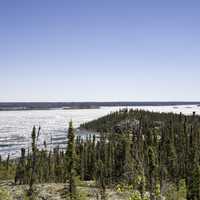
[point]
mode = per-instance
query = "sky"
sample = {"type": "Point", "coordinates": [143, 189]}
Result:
{"type": "Point", "coordinates": [107, 50]}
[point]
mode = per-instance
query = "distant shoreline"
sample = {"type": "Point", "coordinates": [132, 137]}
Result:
{"type": "Point", "coordinates": [32, 109]}
{"type": "Point", "coordinates": [24, 106]}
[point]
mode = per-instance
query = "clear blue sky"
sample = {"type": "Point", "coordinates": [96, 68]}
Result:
{"type": "Point", "coordinates": [80, 50]}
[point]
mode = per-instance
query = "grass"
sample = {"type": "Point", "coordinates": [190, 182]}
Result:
{"type": "Point", "coordinates": [7, 174]}
{"type": "Point", "coordinates": [4, 194]}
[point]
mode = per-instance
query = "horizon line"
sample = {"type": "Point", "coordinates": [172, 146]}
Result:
{"type": "Point", "coordinates": [114, 101]}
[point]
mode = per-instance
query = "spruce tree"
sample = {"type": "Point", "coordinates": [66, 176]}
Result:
{"type": "Point", "coordinates": [20, 171]}
{"type": "Point", "coordinates": [151, 172]}
{"type": "Point", "coordinates": [33, 162]}
{"type": "Point", "coordinates": [101, 179]}
{"type": "Point", "coordinates": [71, 156]}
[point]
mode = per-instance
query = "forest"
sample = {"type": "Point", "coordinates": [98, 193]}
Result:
{"type": "Point", "coordinates": [145, 155]}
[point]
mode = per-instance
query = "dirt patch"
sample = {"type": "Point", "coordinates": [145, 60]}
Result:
{"type": "Point", "coordinates": [56, 191]}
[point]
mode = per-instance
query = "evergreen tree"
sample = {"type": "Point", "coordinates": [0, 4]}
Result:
{"type": "Point", "coordinates": [20, 171]}
{"type": "Point", "coordinates": [33, 162]}
{"type": "Point", "coordinates": [71, 156]}
{"type": "Point", "coordinates": [151, 172]}
{"type": "Point", "coordinates": [100, 179]}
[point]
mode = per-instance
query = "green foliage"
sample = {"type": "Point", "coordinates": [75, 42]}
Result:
{"type": "Point", "coordinates": [157, 191]}
{"type": "Point", "coordinates": [4, 194]}
{"type": "Point", "coordinates": [193, 192]}
{"type": "Point", "coordinates": [82, 195]}
{"type": "Point", "coordinates": [137, 196]}
{"type": "Point", "coordinates": [70, 160]}
{"type": "Point", "coordinates": [33, 163]}
{"type": "Point", "coordinates": [173, 194]}
{"type": "Point", "coordinates": [7, 173]}
{"type": "Point", "coordinates": [27, 196]}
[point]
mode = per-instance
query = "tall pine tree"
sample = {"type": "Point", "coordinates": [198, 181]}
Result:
{"type": "Point", "coordinates": [70, 157]}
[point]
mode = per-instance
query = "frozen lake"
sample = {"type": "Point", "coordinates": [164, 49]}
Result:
{"type": "Point", "coordinates": [16, 126]}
